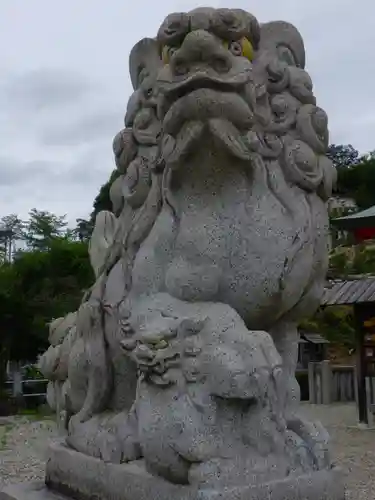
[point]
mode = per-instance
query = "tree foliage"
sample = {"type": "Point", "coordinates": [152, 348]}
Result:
{"type": "Point", "coordinates": [356, 174]}
{"type": "Point", "coordinates": [84, 229]}
{"type": "Point", "coordinates": [42, 228]}
{"type": "Point", "coordinates": [343, 155]}
{"type": "Point", "coordinates": [354, 260]}
{"type": "Point", "coordinates": [102, 200]}
{"type": "Point", "coordinates": [45, 280]}
{"type": "Point", "coordinates": [335, 323]}
{"type": "Point", "coordinates": [11, 231]}
{"type": "Point", "coordinates": [358, 181]}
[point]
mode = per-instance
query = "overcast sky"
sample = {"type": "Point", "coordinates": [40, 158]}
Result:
{"type": "Point", "coordinates": [64, 85]}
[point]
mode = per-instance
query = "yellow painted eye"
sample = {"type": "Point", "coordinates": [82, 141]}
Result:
{"type": "Point", "coordinates": [226, 44]}
{"type": "Point", "coordinates": [247, 49]}
{"type": "Point", "coordinates": [167, 53]}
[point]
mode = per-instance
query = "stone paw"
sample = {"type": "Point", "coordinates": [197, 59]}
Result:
{"type": "Point", "coordinates": [114, 450]}
{"type": "Point", "coordinates": [74, 423]}
{"type": "Point", "coordinates": [315, 439]}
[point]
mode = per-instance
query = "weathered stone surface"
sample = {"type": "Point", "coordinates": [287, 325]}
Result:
{"type": "Point", "coordinates": [185, 348]}
{"type": "Point", "coordinates": [29, 491]}
{"type": "Point", "coordinates": [83, 478]}
{"type": "Point", "coordinates": [103, 236]}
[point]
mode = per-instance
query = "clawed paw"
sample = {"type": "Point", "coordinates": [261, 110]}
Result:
{"type": "Point", "coordinates": [74, 422]}
{"type": "Point", "coordinates": [315, 437]}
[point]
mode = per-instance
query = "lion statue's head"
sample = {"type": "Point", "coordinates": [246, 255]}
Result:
{"type": "Point", "coordinates": [223, 121]}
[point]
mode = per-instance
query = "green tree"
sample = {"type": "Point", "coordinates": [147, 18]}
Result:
{"type": "Point", "coordinates": [42, 227]}
{"type": "Point", "coordinates": [11, 227]}
{"type": "Point", "coordinates": [39, 284]}
{"type": "Point", "coordinates": [358, 181]}
{"type": "Point", "coordinates": [335, 323]}
{"type": "Point", "coordinates": [83, 229]}
{"type": "Point", "coordinates": [343, 155]}
{"type": "Point", "coordinates": [13, 317]}
{"type": "Point", "coordinates": [102, 200]}
{"type": "Point", "coordinates": [53, 280]}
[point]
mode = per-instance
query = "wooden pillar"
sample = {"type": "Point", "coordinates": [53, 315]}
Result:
{"type": "Point", "coordinates": [15, 369]}
{"type": "Point", "coordinates": [360, 366]}
{"type": "Point", "coordinates": [312, 385]}
{"type": "Point", "coordinates": [326, 382]}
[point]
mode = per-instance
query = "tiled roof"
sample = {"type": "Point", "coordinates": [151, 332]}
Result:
{"type": "Point", "coordinates": [359, 219]}
{"type": "Point", "coordinates": [313, 338]}
{"type": "Point", "coordinates": [351, 291]}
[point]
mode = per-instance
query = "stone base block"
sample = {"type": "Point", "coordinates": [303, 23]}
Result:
{"type": "Point", "coordinates": [74, 475]}
{"type": "Point", "coordinates": [29, 491]}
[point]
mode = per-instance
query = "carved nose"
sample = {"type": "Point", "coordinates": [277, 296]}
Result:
{"type": "Point", "coordinates": [200, 48]}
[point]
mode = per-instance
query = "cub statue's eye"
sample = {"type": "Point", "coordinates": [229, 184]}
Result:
{"type": "Point", "coordinates": [241, 47]}
{"type": "Point", "coordinates": [166, 53]}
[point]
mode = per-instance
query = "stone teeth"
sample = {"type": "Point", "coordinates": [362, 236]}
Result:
{"type": "Point", "coordinates": [161, 345]}
{"type": "Point", "coordinates": [128, 344]}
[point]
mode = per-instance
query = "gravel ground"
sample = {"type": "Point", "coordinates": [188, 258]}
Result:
{"type": "Point", "coordinates": [352, 449]}
{"type": "Point", "coordinates": [23, 443]}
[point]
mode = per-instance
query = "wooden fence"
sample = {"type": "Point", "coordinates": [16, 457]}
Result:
{"type": "Point", "coordinates": [370, 396]}
{"type": "Point", "coordinates": [327, 384]}
{"type": "Point", "coordinates": [24, 388]}
{"type": "Point", "coordinates": [331, 383]}
{"type": "Point", "coordinates": [334, 383]}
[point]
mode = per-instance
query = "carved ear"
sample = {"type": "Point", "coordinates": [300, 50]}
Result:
{"type": "Point", "coordinates": [54, 324]}
{"type": "Point", "coordinates": [145, 58]}
{"type": "Point", "coordinates": [60, 327]}
{"type": "Point", "coordinates": [116, 196]}
{"type": "Point", "coordinates": [101, 239]}
{"type": "Point", "coordinates": [284, 41]}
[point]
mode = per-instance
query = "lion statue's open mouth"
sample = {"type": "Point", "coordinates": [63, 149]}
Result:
{"type": "Point", "coordinates": [203, 99]}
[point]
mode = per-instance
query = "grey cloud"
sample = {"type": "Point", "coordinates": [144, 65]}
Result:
{"type": "Point", "coordinates": [46, 88]}
{"type": "Point", "coordinates": [58, 186]}
{"type": "Point", "coordinates": [99, 126]}
{"type": "Point", "coordinates": [14, 173]}
{"type": "Point", "coordinates": [89, 172]}
{"type": "Point", "coordinates": [69, 187]}
{"type": "Point", "coordinates": [44, 174]}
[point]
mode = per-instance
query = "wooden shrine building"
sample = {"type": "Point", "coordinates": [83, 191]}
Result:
{"type": "Point", "coordinates": [359, 292]}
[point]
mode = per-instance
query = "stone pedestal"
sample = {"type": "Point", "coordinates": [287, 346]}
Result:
{"type": "Point", "coordinates": [73, 475]}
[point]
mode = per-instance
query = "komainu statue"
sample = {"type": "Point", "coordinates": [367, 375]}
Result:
{"type": "Point", "coordinates": [181, 374]}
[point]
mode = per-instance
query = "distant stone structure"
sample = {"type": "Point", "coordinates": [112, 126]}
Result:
{"type": "Point", "coordinates": [339, 206]}
{"type": "Point", "coordinates": [181, 376]}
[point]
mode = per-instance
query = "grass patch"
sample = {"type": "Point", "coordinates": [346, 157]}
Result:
{"type": "Point", "coordinates": [3, 439]}
{"type": "Point", "coordinates": [4, 431]}
{"type": "Point", "coordinates": [41, 413]}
